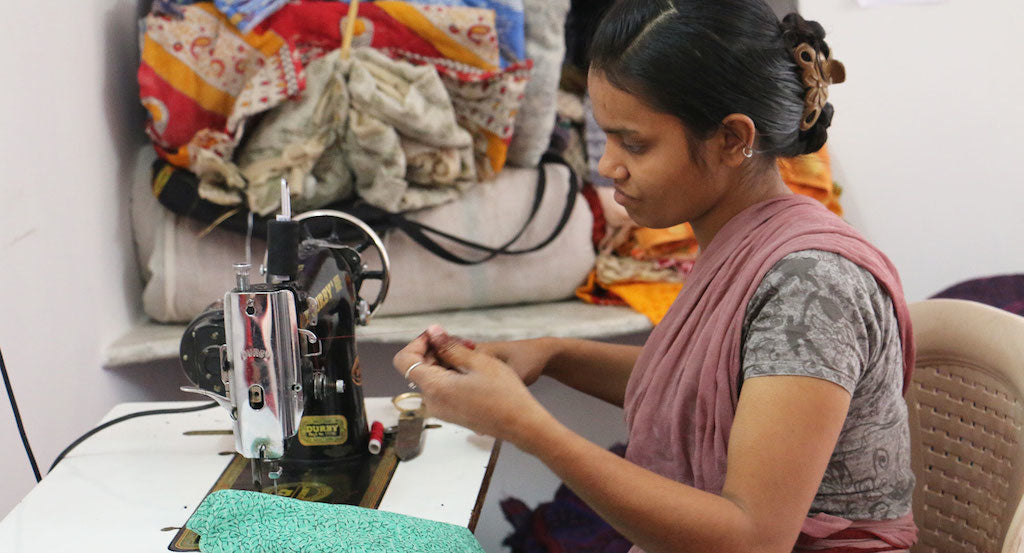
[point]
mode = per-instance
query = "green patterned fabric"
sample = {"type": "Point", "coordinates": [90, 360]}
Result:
{"type": "Point", "coordinates": [235, 521]}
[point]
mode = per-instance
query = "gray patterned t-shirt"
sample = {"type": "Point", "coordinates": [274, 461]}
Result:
{"type": "Point", "coordinates": [818, 314]}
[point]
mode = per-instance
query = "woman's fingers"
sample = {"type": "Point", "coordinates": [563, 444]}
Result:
{"type": "Point", "coordinates": [418, 362]}
{"type": "Point", "coordinates": [463, 385]}
{"type": "Point", "coordinates": [453, 352]}
{"type": "Point", "coordinates": [415, 351]}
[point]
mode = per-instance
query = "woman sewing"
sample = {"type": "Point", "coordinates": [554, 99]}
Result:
{"type": "Point", "coordinates": [765, 411]}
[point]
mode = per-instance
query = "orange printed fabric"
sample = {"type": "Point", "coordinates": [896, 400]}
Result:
{"type": "Point", "coordinates": [677, 241]}
{"type": "Point", "coordinates": [592, 292]}
{"type": "Point", "coordinates": [200, 72]}
{"type": "Point", "coordinates": [650, 298]}
{"type": "Point", "coordinates": [811, 175]}
{"type": "Point", "coordinates": [201, 77]}
{"type": "Point", "coordinates": [461, 34]}
{"type": "Point", "coordinates": [455, 33]}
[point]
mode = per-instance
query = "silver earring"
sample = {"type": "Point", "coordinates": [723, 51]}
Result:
{"type": "Point", "coordinates": [748, 152]}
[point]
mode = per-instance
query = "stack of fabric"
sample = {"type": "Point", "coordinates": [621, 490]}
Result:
{"type": "Point", "coordinates": [434, 99]}
{"type": "Point", "coordinates": [424, 107]}
{"type": "Point", "coordinates": [441, 111]}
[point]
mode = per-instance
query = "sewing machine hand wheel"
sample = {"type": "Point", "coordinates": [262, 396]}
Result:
{"type": "Point", "coordinates": [368, 238]}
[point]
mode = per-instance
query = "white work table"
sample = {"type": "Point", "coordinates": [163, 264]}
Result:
{"type": "Point", "coordinates": [131, 486]}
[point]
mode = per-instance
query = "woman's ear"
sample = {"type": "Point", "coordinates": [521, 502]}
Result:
{"type": "Point", "coordinates": [736, 139]}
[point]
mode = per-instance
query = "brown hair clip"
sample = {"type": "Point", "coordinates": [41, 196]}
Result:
{"type": "Point", "coordinates": [819, 71]}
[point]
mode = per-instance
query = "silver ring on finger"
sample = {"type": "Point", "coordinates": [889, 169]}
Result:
{"type": "Point", "coordinates": [412, 385]}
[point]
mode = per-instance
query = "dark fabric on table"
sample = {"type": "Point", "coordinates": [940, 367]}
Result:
{"type": "Point", "coordinates": [1004, 291]}
{"type": "Point", "coordinates": [564, 525]}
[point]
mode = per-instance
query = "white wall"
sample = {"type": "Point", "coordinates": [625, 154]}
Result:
{"type": "Point", "coordinates": [926, 141]}
{"type": "Point", "coordinates": [927, 133]}
{"type": "Point", "coordinates": [70, 127]}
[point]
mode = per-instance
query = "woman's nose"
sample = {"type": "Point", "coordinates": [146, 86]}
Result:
{"type": "Point", "coordinates": [610, 168]}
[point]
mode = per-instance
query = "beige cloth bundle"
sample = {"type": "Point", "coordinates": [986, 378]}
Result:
{"type": "Point", "coordinates": [381, 128]}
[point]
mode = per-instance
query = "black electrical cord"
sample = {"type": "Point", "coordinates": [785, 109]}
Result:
{"type": "Point", "coordinates": [17, 419]}
{"type": "Point", "coordinates": [83, 437]}
{"type": "Point", "coordinates": [24, 437]}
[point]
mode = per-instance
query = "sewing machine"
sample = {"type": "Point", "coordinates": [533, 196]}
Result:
{"type": "Point", "coordinates": [280, 355]}
{"type": "Point", "coordinates": [128, 488]}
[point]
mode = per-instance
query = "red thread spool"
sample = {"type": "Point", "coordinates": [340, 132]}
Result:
{"type": "Point", "coordinates": [376, 437]}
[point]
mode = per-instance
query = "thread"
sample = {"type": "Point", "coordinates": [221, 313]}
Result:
{"type": "Point", "coordinates": [376, 437]}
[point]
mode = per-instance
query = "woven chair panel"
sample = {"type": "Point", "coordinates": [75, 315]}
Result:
{"type": "Point", "coordinates": [969, 428]}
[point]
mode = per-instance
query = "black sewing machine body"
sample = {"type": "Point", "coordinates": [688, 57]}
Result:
{"type": "Point", "coordinates": [281, 355]}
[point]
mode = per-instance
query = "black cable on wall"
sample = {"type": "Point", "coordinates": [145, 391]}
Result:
{"type": "Point", "coordinates": [17, 419]}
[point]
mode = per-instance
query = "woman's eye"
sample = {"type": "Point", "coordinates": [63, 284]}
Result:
{"type": "Point", "coordinates": [633, 148]}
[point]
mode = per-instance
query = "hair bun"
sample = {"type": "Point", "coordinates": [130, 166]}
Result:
{"type": "Point", "coordinates": [815, 74]}
{"type": "Point", "coordinates": [814, 138]}
{"type": "Point", "coordinates": [796, 31]}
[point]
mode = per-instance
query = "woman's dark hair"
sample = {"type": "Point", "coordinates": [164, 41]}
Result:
{"type": "Point", "coordinates": [701, 60]}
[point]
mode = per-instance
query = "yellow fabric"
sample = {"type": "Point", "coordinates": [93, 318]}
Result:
{"type": "Point", "coordinates": [180, 158]}
{"type": "Point", "coordinates": [410, 16]}
{"type": "Point", "coordinates": [647, 243]}
{"type": "Point", "coordinates": [588, 290]}
{"type": "Point", "coordinates": [809, 170]}
{"type": "Point", "coordinates": [651, 237]}
{"type": "Point", "coordinates": [161, 179]}
{"type": "Point", "coordinates": [497, 151]}
{"type": "Point", "coordinates": [184, 79]}
{"type": "Point", "coordinates": [210, 95]}
{"type": "Point", "coordinates": [811, 175]}
{"type": "Point", "coordinates": [650, 298]}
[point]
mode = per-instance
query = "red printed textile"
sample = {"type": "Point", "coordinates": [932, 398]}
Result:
{"type": "Point", "coordinates": [200, 72]}
{"type": "Point", "coordinates": [201, 77]}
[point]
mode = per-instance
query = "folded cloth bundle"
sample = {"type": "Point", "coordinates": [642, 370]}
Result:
{"type": "Point", "coordinates": [486, 104]}
{"type": "Point", "coordinates": [394, 102]}
{"type": "Point", "coordinates": [462, 43]}
{"type": "Point", "coordinates": [459, 39]}
{"type": "Point", "coordinates": [236, 521]}
{"type": "Point", "coordinates": [357, 118]}
{"type": "Point", "coordinates": [456, 40]}
{"type": "Point", "coordinates": [288, 142]}
{"type": "Point", "coordinates": [201, 77]}
{"type": "Point", "coordinates": [645, 268]}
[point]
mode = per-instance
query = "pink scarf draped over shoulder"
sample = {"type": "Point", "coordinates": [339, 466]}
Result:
{"type": "Point", "coordinates": [681, 398]}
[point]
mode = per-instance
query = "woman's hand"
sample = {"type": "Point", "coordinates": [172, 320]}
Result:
{"type": "Point", "coordinates": [470, 387]}
{"type": "Point", "coordinates": [528, 358]}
